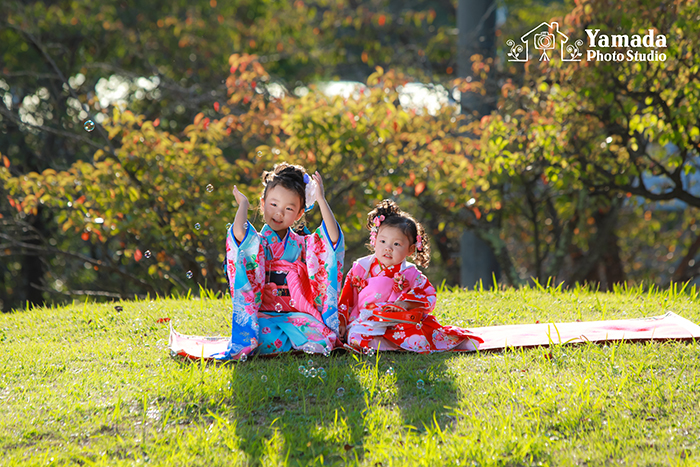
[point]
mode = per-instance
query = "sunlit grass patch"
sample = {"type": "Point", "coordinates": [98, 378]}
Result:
{"type": "Point", "coordinates": [90, 384]}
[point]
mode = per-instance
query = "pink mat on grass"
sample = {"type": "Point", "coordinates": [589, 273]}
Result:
{"type": "Point", "coordinates": [197, 346]}
{"type": "Point", "coordinates": [667, 327]}
{"type": "Point", "coordinates": [658, 328]}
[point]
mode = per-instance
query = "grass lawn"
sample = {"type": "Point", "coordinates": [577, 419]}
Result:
{"type": "Point", "coordinates": [89, 385]}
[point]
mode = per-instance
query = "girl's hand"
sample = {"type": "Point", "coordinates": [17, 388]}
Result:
{"type": "Point", "coordinates": [320, 192]}
{"type": "Point", "coordinates": [240, 197]}
{"type": "Point", "coordinates": [407, 305]}
{"type": "Point", "coordinates": [393, 308]}
{"type": "Point", "coordinates": [326, 213]}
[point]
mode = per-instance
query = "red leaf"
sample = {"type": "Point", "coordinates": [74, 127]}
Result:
{"type": "Point", "coordinates": [6, 161]}
{"type": "Point", "coordinates": [162, 320]}
{"type": "Point", "coordinates": [419, 188]}
{"type": "Point", "coordinates": [233, 69]}
{"type": "Point", "coordinates": [156, 122]}
{"type": "Point", "coordinates": [138, 255]}
{"type": "Point", "coordinates": [216, 106]}
{"type": "Point", "coordinates": [382, 20]}
{"type": "Point", "coordinates": [85, 236]}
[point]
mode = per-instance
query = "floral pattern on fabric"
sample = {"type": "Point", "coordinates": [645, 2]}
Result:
{"type": "Point", "coordinates": [300, 308]}
{"type": "Point", "coordinates": [370, 285]}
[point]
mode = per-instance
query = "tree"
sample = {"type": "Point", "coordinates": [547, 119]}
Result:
{"type": "Point", "coordinates": [166, 62]}
{"type": "Point", "coordinates": [593, 134]}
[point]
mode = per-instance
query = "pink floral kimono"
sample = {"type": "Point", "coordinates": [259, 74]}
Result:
{"type": "Point", "coordinates": [284, 291]}
{"type": "Point", "coordinates": [370, 286]}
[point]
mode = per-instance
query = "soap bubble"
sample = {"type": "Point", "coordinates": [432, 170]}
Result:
{"type": "Point", "coordinates": [420, 384]}
{"type": "Point", "coordinates": [228, 226]}
{"type": "Point", "coordinates": [322, 373]}
{"type": "Point", "coordinates": [197, 226]}
{"type": "Point", "coordinates": [210, 188]}
{"type": "Point", "coordinates": [370, 352]}
{"type": "Point", "coordinates": [340, 392]}
{"type": "Point", "coordinates": [260, 153]}
{"type": "Point", "coordinates": [292, 302]}
{"type": "Point", "coordinates": [288, 391]}
{"type": "Point", "coordinates": [308, 348]}
{"type": "Point", "coordinates": [326, 351]}
{"type": "Point", "coordinates": [302, 369]}
{"type": "Point", "coordinates": [243, 357]}
{"type": "Point", "coordinates": [310, 362]}
{"type": "Point", "coordinates": [147, 253]}
{"type": "Point", "coordinates": [278, 307]}
{"type": "Point", "coordinates": [189, 274]}
{"type": "Point", "coordinates": [313, 372]}
{"type": "Point", "coordinates": [89, 125]}
{"type": "Point", "coordinates": [390, 371]}
{"type": "Point", "coordinates": [264, 378]}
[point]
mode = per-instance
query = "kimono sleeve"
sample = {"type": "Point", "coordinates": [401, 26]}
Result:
{"type": "Point", "coordinates": [324, 263]}
{"type": "Point", "coordinates": [421, 292]}
{"type": "Point", "coordinates": [245, 267]}
{"type": "Point", "coordinates": [348, 298]}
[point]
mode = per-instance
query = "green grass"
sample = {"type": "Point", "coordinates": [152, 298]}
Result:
{"type": "Point", "coordinates": [86, 384]}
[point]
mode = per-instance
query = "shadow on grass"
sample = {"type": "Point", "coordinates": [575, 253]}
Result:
{"type": "Point", "coordinates": [281, 415]}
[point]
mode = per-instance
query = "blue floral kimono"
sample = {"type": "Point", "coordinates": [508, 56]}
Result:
{"type": "Point", "coordinates": [284, 291]}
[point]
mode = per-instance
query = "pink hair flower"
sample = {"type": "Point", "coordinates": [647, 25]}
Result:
{"type": "Point", "coordinates": [373, 236]}
{"type": "Point", "coordinates": [419, 242]}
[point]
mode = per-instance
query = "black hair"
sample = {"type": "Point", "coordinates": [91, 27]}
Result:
{"type": "Point", "coordinates": [411, 228]}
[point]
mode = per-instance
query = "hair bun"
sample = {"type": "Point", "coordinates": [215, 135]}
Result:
{"type": "Point", "coordinates": [387, 208]}
{"type": "Point", "coordinates": [292, 173]}
{"type": "Point", "coordinates": [267, 177]}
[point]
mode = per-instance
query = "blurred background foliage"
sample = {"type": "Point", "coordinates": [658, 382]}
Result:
{"type": "Point", "coordinates": [584, 172]}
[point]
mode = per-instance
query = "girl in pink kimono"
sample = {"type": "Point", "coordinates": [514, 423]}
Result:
{"type": "Point", "coordinates": [386, 302]}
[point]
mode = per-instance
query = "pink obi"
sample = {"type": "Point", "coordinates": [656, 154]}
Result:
{"type": "Point", "coordinates": [296, 295]}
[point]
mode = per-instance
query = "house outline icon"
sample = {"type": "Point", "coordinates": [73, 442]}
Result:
{"type": "Point", "coordinates": [544, 27]}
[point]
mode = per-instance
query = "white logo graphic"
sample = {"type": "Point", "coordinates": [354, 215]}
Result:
{"type": "Point", "coordinates": [544, 38]}
{"type": "Point", "coordinates": [616, 47]}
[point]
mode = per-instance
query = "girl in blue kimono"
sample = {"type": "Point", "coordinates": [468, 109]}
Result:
{"type": "Point", "coordinates": [284, 285]}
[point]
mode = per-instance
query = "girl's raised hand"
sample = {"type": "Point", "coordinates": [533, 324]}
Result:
{"type": "Point", "coordinates": [326, 213]}
{"type": "Point", "coordinates": [240, 197]}
{"type": "Point", "coordinates": [320, 192]}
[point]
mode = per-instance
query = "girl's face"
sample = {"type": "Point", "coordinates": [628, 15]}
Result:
{"type": "Point", "coordinates": [281, 208]}
{"type": "Point", "coordinates": [392, 246]}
